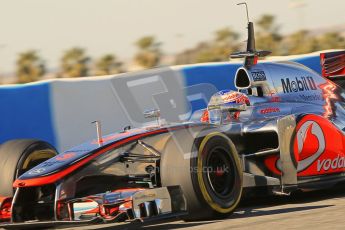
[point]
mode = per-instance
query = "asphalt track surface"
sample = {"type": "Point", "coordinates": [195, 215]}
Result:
{"type": "Point", "coordinates": [324, 209]}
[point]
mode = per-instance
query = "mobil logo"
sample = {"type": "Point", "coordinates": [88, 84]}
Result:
{"type": "Point", "coordinates": [298, 84]}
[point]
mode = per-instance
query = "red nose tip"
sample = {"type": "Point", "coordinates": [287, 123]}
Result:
{"type": "Point", "coordinates": [21, 184]}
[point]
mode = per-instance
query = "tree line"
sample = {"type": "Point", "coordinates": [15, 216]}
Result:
{"type": "Point", "coordinates": [76, 63]}
{"type": "Point", "coordinates": [268, 37]}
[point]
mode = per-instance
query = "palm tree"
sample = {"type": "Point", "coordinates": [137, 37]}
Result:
{"type": "Point", "coordinates": [301, 42]}
{"type": "Point", "coordinates": [268, 36]}
{"type": "Point", "coordinates": [331, 40]}
{"type": "Point", "coordinates": [224, 43]}
{"type": "Point", "coordinates": [30, 67]}
{"type": "Point", "coordinates": [146, 43]}
{"type": "Point", "coordinates": [199, 53]}
{"type": "Point", "coordinates": [226, 35]}
{"type": "Point", "coordinates": [149, 53]}
{"type": "Point", "coordinates": [267, 23]}
{"type": "Point", "coordinates": [75, 63]}
{"type": "Point", "coordinates": [108, 64]}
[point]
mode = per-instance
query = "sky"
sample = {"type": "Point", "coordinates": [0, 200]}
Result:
{"type": "Point", "coordinates": [113, 26]}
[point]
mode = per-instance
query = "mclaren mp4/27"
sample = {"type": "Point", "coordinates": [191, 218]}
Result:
{"type": "Point", "coordinates": [282, 131]}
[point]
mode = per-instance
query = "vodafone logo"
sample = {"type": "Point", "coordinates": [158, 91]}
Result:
{"type": "Point", "coordinates": [311, 144]}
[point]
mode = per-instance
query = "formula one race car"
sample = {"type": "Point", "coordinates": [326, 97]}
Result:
{"type": "Point", "coordinates": [282, 131]}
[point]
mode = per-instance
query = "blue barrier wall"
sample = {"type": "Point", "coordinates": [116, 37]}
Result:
{"type": "Point", "coordinates": [219, 75]}
{"type": "Point", "coordinates": [39, 110]}
{"type": "Point", "coordinates": [26, 112]}
{"type": "Point", "coordinates": [313, 62]}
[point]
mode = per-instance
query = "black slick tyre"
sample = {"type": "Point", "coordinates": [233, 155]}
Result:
{"type": "Point", "coordinates": [17, 157]}
{"type": "Point", "coordinates": [211, 179]}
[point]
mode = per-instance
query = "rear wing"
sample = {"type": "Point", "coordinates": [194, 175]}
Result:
{"type": "Point", "coordinates": [333, 64]}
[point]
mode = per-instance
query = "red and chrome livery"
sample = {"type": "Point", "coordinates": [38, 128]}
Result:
{"type": "Point", "coordinates": [283, 130]}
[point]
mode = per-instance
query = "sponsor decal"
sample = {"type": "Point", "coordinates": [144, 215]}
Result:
{"type": "Point", "coordinates": [312, 97]}
{"type": "Point", "coordinates": [37, 171]}
{"type": "Point", "coordinates": [317, 147]}
{"type": "Point", "coordinates": [298, 84]}
{"type": "Point", "coordinates": [50, 163]}
{"type": "Point", "coordinates": [230, 97]}
{"type": "Point", "coordinates": [270, 110]}
{"type": "Point", "coordinates": [65, 156]}
{"type": "Point", "coordinates": [326, 164]}
{"type": "Point", "coordinates": [59, 159]}
{"type": "Point", "coordinates": [243, 99]}
{"type": "Point", "coordinates": [259, 76]}
{"type": "Point", "coordinates": [275, 99]}
{"type": "Point", "coordinates": [310, 144]}
{"type": "Point", "coordinates": [235, 97]}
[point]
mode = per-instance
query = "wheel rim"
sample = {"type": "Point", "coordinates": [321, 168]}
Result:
{"type": "Point", "coordinates": [35, 158]}
{"type": "Point", "coordinates": [220, 172]}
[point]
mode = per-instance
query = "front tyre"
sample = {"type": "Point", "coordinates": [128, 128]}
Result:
{"type": "Point", "coordinates": [219, 174]}
{"type": "Point", "coordinates": [19, 156]}
{"type": "Point", "coordinates": [211, 179]}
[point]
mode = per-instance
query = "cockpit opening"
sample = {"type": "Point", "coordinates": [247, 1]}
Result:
{"type": "Point", "coordinates": [260, 92]}
{"type": "Point", "coordinates": [253, 91]}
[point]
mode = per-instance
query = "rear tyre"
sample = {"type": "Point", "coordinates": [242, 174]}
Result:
{"type": "Point", "coordinates": [17, 157]}
{"type": "Point", "coordinates": [211, 181]}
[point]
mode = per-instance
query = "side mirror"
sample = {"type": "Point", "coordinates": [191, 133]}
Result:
{"type": "Point", "coordinates": [153, 113]}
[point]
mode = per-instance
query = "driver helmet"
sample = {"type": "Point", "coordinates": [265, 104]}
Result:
{"type": "Point", "coordinates": [224, 98]}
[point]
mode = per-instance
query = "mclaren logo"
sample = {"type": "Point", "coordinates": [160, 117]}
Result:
{"type": "Point", "coordinates": [298, 84]}
{"type": "Point", "coordinates": [311, 144]}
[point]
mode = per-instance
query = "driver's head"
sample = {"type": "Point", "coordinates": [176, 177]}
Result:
{"type": "Point", "coordinates": [231, 97]}
{"type": "Point", "coordinates": [226, 98]}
